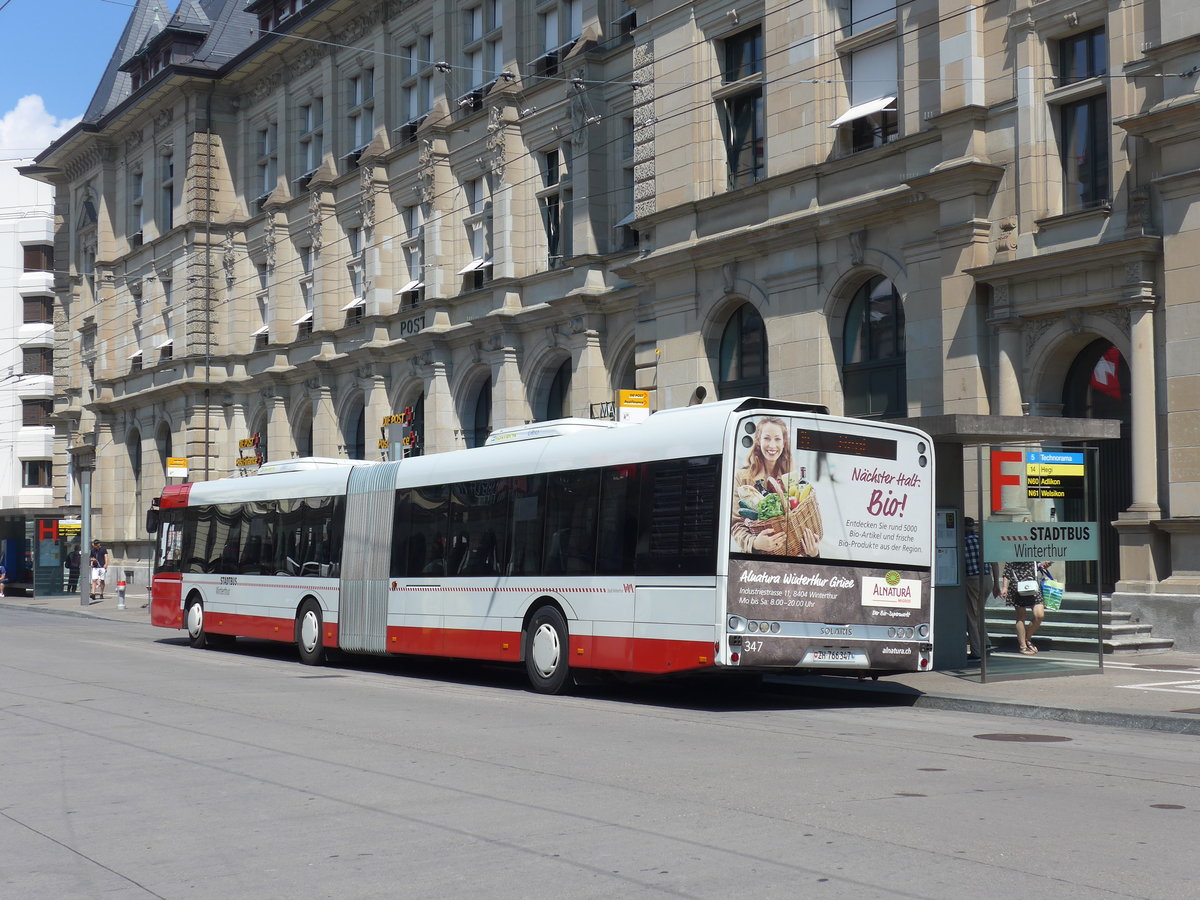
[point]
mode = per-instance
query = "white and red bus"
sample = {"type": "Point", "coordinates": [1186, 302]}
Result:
{"type": "Point", "coordinates": [749, 535]}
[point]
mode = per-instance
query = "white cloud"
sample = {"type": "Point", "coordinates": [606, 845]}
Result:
{"type": "Point", "coordinates": [27, 129]}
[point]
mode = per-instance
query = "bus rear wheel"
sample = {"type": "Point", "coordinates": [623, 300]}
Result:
{"type": "Point", "coordinates": [546, 660]}
{"type": "Point", "coordinates": [193, 619]}
{"type": "Point", "coordinates": [309, 634]}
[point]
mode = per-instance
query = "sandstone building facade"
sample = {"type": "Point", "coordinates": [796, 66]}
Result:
{"type": "Point", "coordinates": [282, 221]}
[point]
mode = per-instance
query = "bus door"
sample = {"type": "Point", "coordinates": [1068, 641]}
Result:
{"type": "Point", "coordinates": [366, 557]}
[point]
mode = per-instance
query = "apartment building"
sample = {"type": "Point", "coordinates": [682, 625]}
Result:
{"type": "Point", "coordinates": [27, 382]}
{"type": "Point", "coordinates": [284, 221]}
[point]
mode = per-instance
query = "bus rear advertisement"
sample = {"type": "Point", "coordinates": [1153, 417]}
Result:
{"type": "Point", "coordinates": [752, 535]}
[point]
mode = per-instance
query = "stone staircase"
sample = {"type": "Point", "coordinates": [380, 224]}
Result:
{"type": "Point", "coordinates": [1074, 627]}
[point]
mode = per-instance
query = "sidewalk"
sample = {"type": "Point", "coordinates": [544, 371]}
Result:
{"type": "Point", "coordinates": [1156, 691]}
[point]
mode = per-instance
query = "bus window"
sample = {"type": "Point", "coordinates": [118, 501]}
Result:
{"type": "Point", "coordinates": [170, 541]}
{"type": "Point", "coordinates": [478, 514]}
{"type": "Point", "coordinates": [617, 532]}
{"type": "Point", "coordinates": [420, 532]}
{"type": "Point", "coordinates": [528, 501]}
{"type": "Point", "coordinates": [572, 499]}
{"type": "Point", "coordinates": [679, 504]}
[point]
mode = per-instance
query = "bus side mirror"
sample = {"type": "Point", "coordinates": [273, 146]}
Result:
{"type": "Point", "coordinates": [152, 520]}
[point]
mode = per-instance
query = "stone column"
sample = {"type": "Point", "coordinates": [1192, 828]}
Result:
{"type": "Point", "coordinates": [327, 437]}
{"type": "Point", "coordinates": [441, 421]}
{"type": "Point", "coordinates": [376, 407]}
{"type": "Point", "coordinates": [1008, 384]}
{"type": "Point", "coordinates": [279, 432]}
{"type": "Point", "coordinates": [1143, 407]}
{"type": "Point", "coordinates": [509, 404]}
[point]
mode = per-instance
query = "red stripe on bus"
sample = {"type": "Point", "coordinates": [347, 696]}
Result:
{"type": "Point", "coordinates": [166, 608]}
{"type": "Point", "coordinates": [263, 628]}
{"type": "Point", "coordinates": [175, 496]}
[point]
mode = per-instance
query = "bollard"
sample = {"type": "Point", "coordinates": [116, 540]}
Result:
{"type": "Point", "coordinates": [121, 594]}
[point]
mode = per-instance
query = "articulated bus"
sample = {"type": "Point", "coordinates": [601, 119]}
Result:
{"type": "Point", "coordinates": [745, 535]}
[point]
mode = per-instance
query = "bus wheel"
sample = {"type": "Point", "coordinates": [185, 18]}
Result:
{"type": "Point", "coordinates": [193, 618]}
{"type": "Point", "coordinates": [308, 634]}
{"type": "Point", "coordinates": [546, 661]}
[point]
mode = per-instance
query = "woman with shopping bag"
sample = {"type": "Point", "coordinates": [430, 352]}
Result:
{"type": "Point", "coordinates": [1022, 591]}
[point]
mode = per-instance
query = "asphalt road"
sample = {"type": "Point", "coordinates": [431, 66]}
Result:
{"type": "Point", "coordinates": [134, 766]}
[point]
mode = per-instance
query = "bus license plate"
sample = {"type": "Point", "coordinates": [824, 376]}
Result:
{"type": "Point", "coordinates": [834, 658]}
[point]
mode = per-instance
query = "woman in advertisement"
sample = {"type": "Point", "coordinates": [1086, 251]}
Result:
{"type": "Point", "coordinates": [765, 490]}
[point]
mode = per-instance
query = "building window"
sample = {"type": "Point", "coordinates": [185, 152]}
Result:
{"type": "Point", "coordinates": [742, 363]}
{"type": "Point", "coordinates": [874, 378]}
{"type": "Point", "coordinates": [312, 138]}
{"type": "Point", "coordinates": [137, 219]}
{"type": "Point", "coordinates": [39, 258]}
{"type": "Point", "coordinates": [38, 310]}
{"type": "Point", "coordinates": [166, 191]}
{"type": "Point", "coordinates": [1082, 56]}
{"type": "Point", "coordinates": [416, 86]}
{"type": "Point", "coordinates": [37, 360]}
{"type": "Point", "coordinates": [1083, 120]}
{"type": "Point", "coordinates": [355, 266]}
{"type": "Point", "coordinates": [740, 102]}
{"type": "Point", "coordinates": [478, 224]}
{"type": "Point", "coordinates": [483, 46]}
{"type": "Point", "coordinates": [560, 24]}
{"type": "Point", "coordinates": [1085, 158]}
{"type": "Point", "coordinates": [413, 244]}
{"type": "Point", "coordinates": [268, 159]}
{"type": "Point", "coordinates": [37, 473]}
{"type": "Point", "coordinates": [262, 334]}
{"type": "Point", "coordinates": [37, 411]}
{"type": "Point", "coordinates": [304, 324]}
{"type": "Point", "coordinates": [360, 113]}
{"type": "Point", "coordinates": [554, 198]}
{"type": "Point", "coordinates": [870, 60]}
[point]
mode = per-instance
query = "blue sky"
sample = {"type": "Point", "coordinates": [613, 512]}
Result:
{"type": "Point", "coordinates": [56, 50]}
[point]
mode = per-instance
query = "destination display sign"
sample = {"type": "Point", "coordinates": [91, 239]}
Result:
{"type": "Point", "coordinates": [1054, 475]}
{"type": "Point", "coordinates": [1040, 541]}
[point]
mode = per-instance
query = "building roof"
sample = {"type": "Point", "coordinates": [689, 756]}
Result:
{"type": "Point", "coordinates": [148, 18]}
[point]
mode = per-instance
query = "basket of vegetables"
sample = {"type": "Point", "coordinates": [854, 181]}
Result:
{"type": "Point", "coordinates": [787, 506]}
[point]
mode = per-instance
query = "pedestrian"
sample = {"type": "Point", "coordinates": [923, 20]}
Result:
{"type": "Point", "coordinates": [973, 559]}
{"type": "Point", "coordinates": [1023, 592]}
{"type": "Point", "coordinates": [99, 564]}
{"type": "Point", "coordinates": [3, 578]}
{"type": "Point", "coordinates": [73, 560]}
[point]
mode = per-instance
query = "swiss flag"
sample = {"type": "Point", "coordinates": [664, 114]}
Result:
{"type": "Point", "coordinates": [1104, 376]}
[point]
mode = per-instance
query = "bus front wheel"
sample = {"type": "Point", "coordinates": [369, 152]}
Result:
{"type": "Point", "coordinates": [546, 661]}
{"type": "Point", "coordinates": [193, 618]}
{"type": "Point", "coordinates": [309, 630]}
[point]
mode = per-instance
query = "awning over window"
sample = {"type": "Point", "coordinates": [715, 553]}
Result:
{"type": "Point", "coordinates": [356, 302]}
{"type": "Point", "coordinates": [879, 104]}
{"type": "Point", "coordinates": [257, 331]}
{"type": "Point", "coordinates": [474, 265]}
{"type": "Point", "coordinates": [167, 343]}
{"type": "Point", "coordinates": [307, 317]}
{"type": "Point", "coordinates": [627, 220]}
{"type": "Point", "coordinates": [136, 354]}
{"type": "Point", "coordinates": [413, 285]}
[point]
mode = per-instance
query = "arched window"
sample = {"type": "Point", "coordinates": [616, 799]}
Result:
{"type": "Point", "coordinates": [873, 367]}
{"type": "Point", "coordinates": [354, 433]}
{"type": "Point", "coordinates": [162, 439]}
{"type": "Point", "coordinates": [418, 427]}
{"type": "Point", "coordinates": [135, 459]}
{"type": "Point", "coordinates": [302, 433]}
{"type": "Point", "coordinates": [558, 397]}
{"type": "Point", "coordinates": [479, 426]}
{"type": "Point", "coordinates": [743, 357]}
